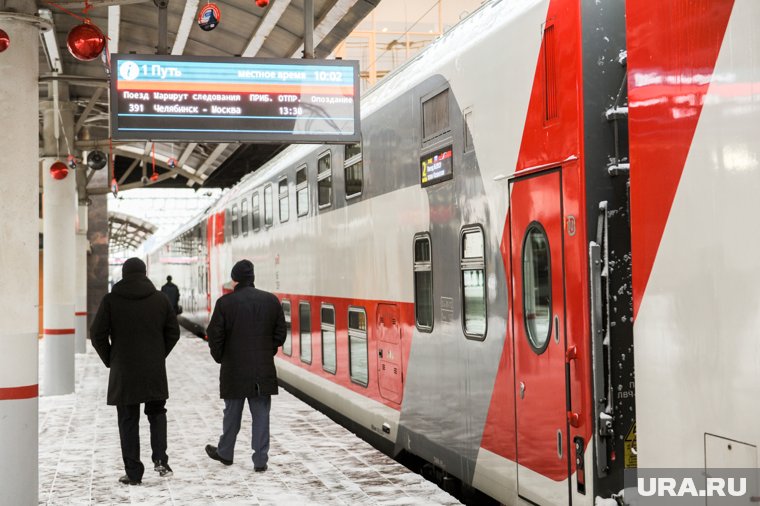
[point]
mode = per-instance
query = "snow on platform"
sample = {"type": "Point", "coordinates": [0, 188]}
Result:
{"type": "Point", "coordinates": [312, 460]}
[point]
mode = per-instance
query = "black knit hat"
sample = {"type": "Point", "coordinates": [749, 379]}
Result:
{"type": "Point", "coordinates": [133, 266]}
{"type": "Point", "coordinates": [242, 271]}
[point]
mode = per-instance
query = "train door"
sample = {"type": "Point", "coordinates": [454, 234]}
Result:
{"type": "Point", "coordinates": [389, 353]}
{"type": "Point", "coordinates": [538, 309]}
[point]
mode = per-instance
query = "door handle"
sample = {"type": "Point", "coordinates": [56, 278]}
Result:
{"type": "Point", "coordinates": [522, 390]}
{"type": "Point", "coordinates": [380, 353]}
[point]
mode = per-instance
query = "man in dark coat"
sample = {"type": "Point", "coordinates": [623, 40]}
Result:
{"type": "Point", "coordinates": [142, 327]}
{"type": "Point", "coordinates": [172, 292]}
{"type": "Point", "coordinates": [246, 328]}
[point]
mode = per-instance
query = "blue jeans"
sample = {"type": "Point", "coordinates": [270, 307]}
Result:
{"type": "Point", "coordinates": [233, 411]}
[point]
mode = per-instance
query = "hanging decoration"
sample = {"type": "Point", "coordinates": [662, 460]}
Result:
{"type": "Point", "coordinates": [262, 3]}
{"type": "Point", "coordinates": [114, 187]}
{"type": "Point", "coordinates": [154, 176]}
{"type": "Point", "coordinates": [59, 170]}
{"type": "Point", "coordinates": [5, 40]}
{"type": "Point", "coordinates": [71, 161]}
{"type": "Point", "coordinates": [86, 41]}
{"type": "Point", "coordinates": [209, 17]}
{"type": "Point", "coordinates": [172, 162]}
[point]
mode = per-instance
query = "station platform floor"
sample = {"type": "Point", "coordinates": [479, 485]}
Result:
{"type": "Point", "coordinates": [312, 460]}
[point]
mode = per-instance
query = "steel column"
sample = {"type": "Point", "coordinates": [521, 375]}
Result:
{"type": "Point", "coordinates": [82, 245]}
{"type": "Point", "coordinates": [19, 260]}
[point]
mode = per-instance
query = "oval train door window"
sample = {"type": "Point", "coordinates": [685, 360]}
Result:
{"type": "Point", "coordinates": [537, 289]}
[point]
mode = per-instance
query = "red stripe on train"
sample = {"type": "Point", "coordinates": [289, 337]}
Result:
{"type": "Point", "coordinates": [381, 386]}
{"type": "Point", "coordinates": [665, 66]}
{"type": "Point", "coordinates": [19, 393]}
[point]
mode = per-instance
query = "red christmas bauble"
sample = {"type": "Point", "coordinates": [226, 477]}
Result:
{"type": "Point", "coordinates": [5, 40]}
{"type": "Point", "coordinates": [59, 170]}
{"type": "Point", "coordinates": [154, 176]}
{"type": "Point", "coordinates": [262, 3]}
{"type": "Point", "coordinates": [86, 42]}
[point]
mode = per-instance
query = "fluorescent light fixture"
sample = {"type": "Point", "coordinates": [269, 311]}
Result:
{"type": "Point", "coordinates": [49, 43]}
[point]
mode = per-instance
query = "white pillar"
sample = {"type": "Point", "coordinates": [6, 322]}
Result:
{"type": "Point", "coordinates": [58, 280]}
{"type": "Point", "coordinates": [80, 310]}
{"type": "Point", "coordinates": [19, 271]}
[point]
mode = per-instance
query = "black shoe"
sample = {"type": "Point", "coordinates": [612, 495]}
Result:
{"type": "Point", "coordinates": [162, 468]}
{"type": "Point", "coordinates": [126, 480]}
{"type": "Point", "coordinates": [211, 452]}
{"type": "Point", "coordinates": [260, 469]}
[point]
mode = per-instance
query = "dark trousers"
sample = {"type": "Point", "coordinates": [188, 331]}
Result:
{"type": "Point", "coordinates": [129, 433]}
{"type": "Point", "coordinates": [233, 411]}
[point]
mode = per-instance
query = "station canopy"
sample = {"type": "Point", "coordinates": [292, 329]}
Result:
{"type": "Point", "coordinates": [126, 232]}
{"type": "Point", "coordinates": [134, 26]}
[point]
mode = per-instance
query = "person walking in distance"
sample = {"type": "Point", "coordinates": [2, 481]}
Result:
{"type": "Point", "coordinates": [171, 291]}
{"type": "Point", "coordinates": [246, 328]}
{"type": "Point", "coordinates": [133, 332]}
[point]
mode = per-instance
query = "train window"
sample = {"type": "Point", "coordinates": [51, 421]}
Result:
{"type": "Point", "coordinates": [328, 338]}
{"type": "Point", "coordinates": [423, 283]}
{"type": "Point", "coordinates": [353, 169]}
{"type": "Point", "coordinates": [468, 144]}
{"type": "Point", "coordinates": [282, 191]}
{"type": "Point", "coordinates": [357, 345]}
{"type": "Point", "coordinates": [304, 331]}
{"type": "Point", "coordinates": [235, 216]}
{"type": "Point", "coordinates": [244, 216]}
{"type": "Point", "coordinates": [302, 192]}
{"type": "Point", "coordinates": [473, 280]}
{"type": "Point", "coordinates": [435, 115]}
{"type": "Point", "coordinates": [324, 181]}
{"type": "Point", "coordinates": [287, 347]}
{"type": "Point", "coordinates": [537, 294]}
{"type": "Point", "coordinates": [255, 213]}
{"type": "Point", "coordinates": [268, 209]}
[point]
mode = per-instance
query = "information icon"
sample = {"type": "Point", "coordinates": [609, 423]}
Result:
{"type": "Point", "coordinates": [129, 71]}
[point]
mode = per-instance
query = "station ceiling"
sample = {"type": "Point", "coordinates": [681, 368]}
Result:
{"type": "Point", "coordinates": [132, 26]}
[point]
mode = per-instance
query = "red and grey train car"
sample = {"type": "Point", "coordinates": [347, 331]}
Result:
{"type": "Point", "coordinates": [462, 285]}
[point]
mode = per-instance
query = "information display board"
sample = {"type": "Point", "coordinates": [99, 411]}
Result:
{"type": "Point", "coordinates": [436, 167]}
{"type": "Point", "coordinates": [190, 98]}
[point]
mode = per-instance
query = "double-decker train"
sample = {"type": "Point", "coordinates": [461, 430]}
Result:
{"type": "Point", "coordinates": [462, 285]}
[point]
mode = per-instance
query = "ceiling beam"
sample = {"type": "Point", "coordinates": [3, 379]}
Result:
{"type": "Point", "coordinates": [218, 150]}
{"type": "Point", "coordinates": [114, 24]}
{"type": "Point", "coordinates": [127, 172]}
{"type": "Point", "coordinates": [163, 161]}
{"type": "Point", "coordinates": [87, 110]}
{"type": "Point", "coordinates": [186, 153]}
{"type": "Point", "coordinates": [265, 27]}
{"type": "Point", "coordinates": [185, 25]}
{"type": "Point", "coordinates": [79, 4]}
{"type": "Point", "coordinates": [131, 186]}
{"type": "Point", "coordinates": [329, 21]}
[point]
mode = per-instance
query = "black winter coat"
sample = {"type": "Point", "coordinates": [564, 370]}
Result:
{"type": "Point", "coordinates": [246, 328]}
{"type": "Point", "coordinates": [143, 330]}
{"type": "Point", "coordinates": [172, 292]}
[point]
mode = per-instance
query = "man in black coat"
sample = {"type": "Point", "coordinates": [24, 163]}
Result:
{"type": "Point", "coordinates": [142, 327]}
{"type": "Point", "coordinates": [246, 328]}
{"type": "Point", "coordinates": [172, 292]}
